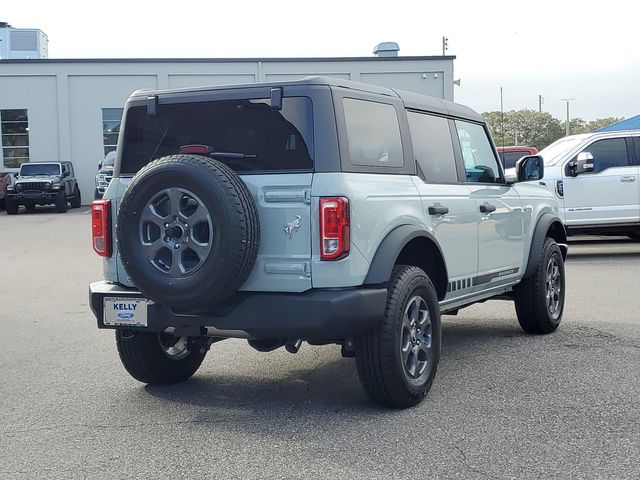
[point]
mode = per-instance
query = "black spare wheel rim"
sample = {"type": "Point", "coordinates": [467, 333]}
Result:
{"type": "Point", "coordinates": [188, 231]}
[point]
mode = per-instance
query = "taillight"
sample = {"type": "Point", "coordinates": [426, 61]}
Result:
{"type": "Point", "coordinates": [334, 228]}
{"type": "Point", "coordinates": [101, 227]}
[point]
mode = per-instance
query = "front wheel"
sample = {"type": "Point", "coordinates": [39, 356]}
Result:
{"type": "Point", "coordinates": [539, 299]}
{"type": "Point", "coordinates": [158, 358]}
{"type": "Point", "coordinates": [398, 359]}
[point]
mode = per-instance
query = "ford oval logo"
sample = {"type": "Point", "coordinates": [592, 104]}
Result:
{"type": "Point", "coordinates": [125, 314]}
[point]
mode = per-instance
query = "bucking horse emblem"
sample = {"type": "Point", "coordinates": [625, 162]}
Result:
{"type": "Point", "coordinates": [292, 227]}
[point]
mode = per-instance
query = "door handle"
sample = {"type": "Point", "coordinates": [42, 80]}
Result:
{"type": "Point", "coordinates": [438, 210]}
{"type": "Point", "coordinates": [627, 179]}
{"type": "Point", "coordinates": [487, 208]}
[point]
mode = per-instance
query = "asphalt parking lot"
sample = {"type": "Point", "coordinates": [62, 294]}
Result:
{"type": "Point", "coordinates": [504, 404]}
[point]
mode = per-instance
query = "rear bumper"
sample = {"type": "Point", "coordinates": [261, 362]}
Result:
{"type": "Point", "coordinates": [316, 315]}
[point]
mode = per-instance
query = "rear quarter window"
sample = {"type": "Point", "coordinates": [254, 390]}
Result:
{"type": "Point", "coordinates": [373, 133]}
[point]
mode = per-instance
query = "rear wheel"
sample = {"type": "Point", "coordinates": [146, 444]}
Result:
{"type": "Point", "coordinates": [398, 359]}
{"type": "Point", "coordinates": [61, 202]}
{"type": "Point", "coordinates": [76, 200]}
{"type": "Point", "coordinates": [158, 358]}
{"type": "Point", "coordinates": [539, 299]}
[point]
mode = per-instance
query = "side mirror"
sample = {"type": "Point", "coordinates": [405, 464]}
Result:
{"type": "Point", "coordinates": [582, 164]}
{"type": "Point", "coordinates": [530, 168]}
{"type": "Point", "coordinates": [15, 175]}
{"type": "Point", "coordinates": [99, 164]}
{"type": "Point", "coordinates": [65, 174]}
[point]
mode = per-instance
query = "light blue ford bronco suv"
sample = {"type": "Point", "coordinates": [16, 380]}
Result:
{"type": "Point", "coordinates": [319, 210]}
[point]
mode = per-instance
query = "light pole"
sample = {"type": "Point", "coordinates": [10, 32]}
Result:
{"type": "Point", "coordinates": [567, 124]}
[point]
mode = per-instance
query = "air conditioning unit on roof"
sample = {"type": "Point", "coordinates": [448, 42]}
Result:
{"type": "Point", "coordinates": [22, 43]}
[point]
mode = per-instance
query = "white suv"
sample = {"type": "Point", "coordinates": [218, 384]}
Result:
{"type": "Point", "coordinates": [595, 178]}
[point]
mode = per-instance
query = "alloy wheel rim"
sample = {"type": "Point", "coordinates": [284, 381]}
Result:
{"type": "Point", "coordinates": [176, 232]}
{"type": "Point", "coordinates": [416, 338]}
{"type": "Point", "coordinates": [553, 287]}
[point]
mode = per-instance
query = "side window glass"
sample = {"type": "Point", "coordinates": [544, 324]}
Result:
{"type": "Point", "coordinates": [480, 163]}
{"type": "Point", "coordinates": [373, 133]}
{"type": "Point", "coordinates": [608, 153]}
{"type": "Point", "coordinates": [432, 147]}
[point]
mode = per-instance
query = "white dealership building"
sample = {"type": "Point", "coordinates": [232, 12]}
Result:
{"type": "Point", "coordinates": [55, 109]}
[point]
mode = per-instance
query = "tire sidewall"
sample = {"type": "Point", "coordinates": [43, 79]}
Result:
{"type": "Point", "coordinates": [77, 199]}
{"type": "Point", "coordinates": [551, 250]}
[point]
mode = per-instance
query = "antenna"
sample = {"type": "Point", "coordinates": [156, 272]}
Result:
{"type": "Point", "coordinates": [445, 45]}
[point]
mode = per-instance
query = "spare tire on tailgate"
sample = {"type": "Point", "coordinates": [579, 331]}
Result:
{"type": "Point", "coordinates": [188, 231]}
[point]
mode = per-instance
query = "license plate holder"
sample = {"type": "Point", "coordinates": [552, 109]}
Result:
{"type": "Point", "coordinates": [125, 311]}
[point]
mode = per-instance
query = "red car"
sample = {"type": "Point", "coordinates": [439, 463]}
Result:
{"type": "Point", "coordinates": [5, 179]}
{"type": "Point", "coordinates": [510, 155]}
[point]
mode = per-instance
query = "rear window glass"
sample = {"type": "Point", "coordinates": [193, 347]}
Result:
{"type": "Point", "coordinates": [263, 139]}
{"type": "Point", "coordinates": [373, 133]}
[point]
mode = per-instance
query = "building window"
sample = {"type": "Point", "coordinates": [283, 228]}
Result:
{"type": "Point", "coordinates": [111, 118]}
{"type": "Point", "coordinates": [14, 125]}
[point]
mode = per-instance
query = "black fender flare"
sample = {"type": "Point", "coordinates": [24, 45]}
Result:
{"type": "Point", "coordinates": [389, 250]}
{"type": "Point", "coordinates": [546, 222]}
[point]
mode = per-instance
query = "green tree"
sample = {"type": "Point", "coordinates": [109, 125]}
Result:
{"type": "Point", "coordinates": [602, 122]}
{"type": "Point", "coordinates": [524, 127]}
{"type": "Point", "coordinates": [535, 129]}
